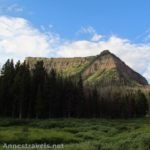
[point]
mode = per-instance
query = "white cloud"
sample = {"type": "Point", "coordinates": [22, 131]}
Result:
{"type": "Point", "coordinates": [135, 55]}
{"type": "Point", "coordinates": [96, 37]}
{"type": "Point", "coordinates": [90, 30]}
{"type": "Point", "coordinates": [147, 73]}
{"type": "Point", "coordinates": [19, 39]}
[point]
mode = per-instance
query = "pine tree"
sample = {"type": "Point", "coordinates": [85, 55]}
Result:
{"type": "Point", "coordinates": [141, 104]}
{"type": "Point", "coordinates": [52, 93]}
{"type": "Point", "coordinates": [40, 103]}
{"type": "Point", "coordinates": [95, 103]}
{"type": "Point", "coordinates": [39, 76]}
{"type": "Point", "coordinates": [21, 90]}
{"type": "Point", "coordinates": [26, 93]}
{"type": "Point", "coordinates": [81, 98]}
{"type": "Point", "coordinates": [6, 94]}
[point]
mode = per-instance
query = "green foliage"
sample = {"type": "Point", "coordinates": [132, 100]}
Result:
{"type": "Point", "coordinates": [104, 77]}
{"type": "Point", "coordinates": [90, 134]}
{"type": "Point", "coordinates": [74, 69]}
{"type": "Point", "coordinates": [37, 94]}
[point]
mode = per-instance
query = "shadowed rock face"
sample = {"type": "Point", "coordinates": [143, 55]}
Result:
{"type": "Point", "coordinates": [105, 68]}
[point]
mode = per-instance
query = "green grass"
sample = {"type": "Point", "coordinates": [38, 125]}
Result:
{"type": "Point", "coordinates": [79, 134]}
{"type": "Point", "coordinates": [104, 75]}
{"type": "Point", "coordinates": [74, 69]}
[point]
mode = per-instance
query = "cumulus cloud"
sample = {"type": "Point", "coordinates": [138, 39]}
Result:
{"type": "Point", "coordinates": [19, 39]}
{"type": "Point", "coordinates": [135, 55]}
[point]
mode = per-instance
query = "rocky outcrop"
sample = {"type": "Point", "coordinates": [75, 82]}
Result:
{"type": "Point", "coordinates": [108, 68]}
{"type": "Point", "coordinates": [105, 68]}
{"type": "Point", "coordinates": [69, 66]}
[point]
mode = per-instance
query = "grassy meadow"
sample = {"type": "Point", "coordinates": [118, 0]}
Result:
{"type": "Point", "coordinates": [79, 134]}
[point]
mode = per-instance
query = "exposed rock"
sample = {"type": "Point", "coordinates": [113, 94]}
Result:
{"type": "Point", "coordinates": [102, 69]}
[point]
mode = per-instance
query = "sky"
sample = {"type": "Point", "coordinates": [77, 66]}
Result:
{"type": "Point", "coordinates": [75, 28]}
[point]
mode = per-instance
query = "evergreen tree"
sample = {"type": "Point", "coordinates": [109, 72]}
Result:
{"type": "Point", "coordinates": [81, 98]}
{"type": "Point", "coordinates": [52, 93]}
{"type": "Point", "coordinates": [141, 104]}
{"type": "Point", "coordinates": [39, 76]}
{"type": "Point", "coordinates": [95, 103]}
{"type": "Point", "coordinates": [21, 91]}
{"type": "Point", "coordinates": [26, 93]}
{"type": "Point", "coordinates": [6, 93]}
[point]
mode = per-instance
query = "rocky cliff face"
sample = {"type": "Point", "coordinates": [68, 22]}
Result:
{"type": "Point", "coordinates": [109, 69]}
{"type": "Point", "coordinates": [68, 66]}
{"type": "Point", "coordinates": [102, 69]}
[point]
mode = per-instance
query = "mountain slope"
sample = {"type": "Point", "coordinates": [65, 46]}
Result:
{"type": "Point", "coordinates": [109, 69]}
{"type": "Point", "coordinates": [103, 69]}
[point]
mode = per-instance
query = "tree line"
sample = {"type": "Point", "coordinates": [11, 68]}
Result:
{"type": "Point", "coordinates": [36, 93]}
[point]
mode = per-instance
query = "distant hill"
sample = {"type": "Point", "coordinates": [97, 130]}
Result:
{"type": "Point", "coordinates": [103, 69]}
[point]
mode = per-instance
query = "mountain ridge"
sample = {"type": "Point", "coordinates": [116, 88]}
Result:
{"type": "Point", "coordinates": [103, 69]}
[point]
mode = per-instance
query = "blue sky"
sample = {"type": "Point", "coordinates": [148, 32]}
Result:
{"type": "Point", "coordinates": [70, 28]}
{"type": "Point", "coordinates": [125, 18]}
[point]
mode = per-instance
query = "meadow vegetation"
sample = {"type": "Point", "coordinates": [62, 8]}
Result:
{"type": "Point", "coordinates": [79, 134]}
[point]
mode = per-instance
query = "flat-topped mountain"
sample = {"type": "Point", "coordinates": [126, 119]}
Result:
{"type": "Point", "coordinates": [103, 69]}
